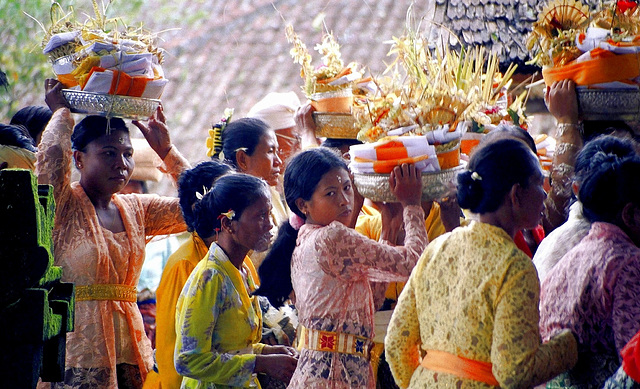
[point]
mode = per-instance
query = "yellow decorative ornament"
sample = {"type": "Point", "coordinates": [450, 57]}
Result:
{"type": "Point", "coordinates": [564, 15]}
{"type": "Point", "coordinates": [555, 31]}
{"type": "Point", "coordinates": [214, 140]}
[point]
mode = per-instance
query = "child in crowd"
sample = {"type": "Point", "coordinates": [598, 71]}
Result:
{"type": "Point", "coordinates": [329, 267]}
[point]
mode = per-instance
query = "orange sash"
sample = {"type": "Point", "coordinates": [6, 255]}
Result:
{"type": "Point", "coordinates": [444, 362]}
{"type": "Point", "coordinates": [605, 68]}
{"type": "Point", "coordinates": [387, 166]}
{"type": "Point", "coordinates": [124, 84]}
{"type": "Point", "coordinates": [387, 153]}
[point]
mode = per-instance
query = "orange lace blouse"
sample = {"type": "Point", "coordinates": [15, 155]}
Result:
{"type": "Point", "coordinates": [107, 332]}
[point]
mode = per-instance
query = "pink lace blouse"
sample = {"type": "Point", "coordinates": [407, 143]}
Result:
{"type": "Point", "coordinates": [594, 291]}
{"type": "Point", "coordinates": [331, 271]}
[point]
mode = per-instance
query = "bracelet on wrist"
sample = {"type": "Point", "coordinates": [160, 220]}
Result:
{"type": "Point", "coordinates": [561, 128]}
{"type": "Point", "coordinates": [562, 148]}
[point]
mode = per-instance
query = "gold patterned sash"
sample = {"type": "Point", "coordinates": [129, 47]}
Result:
{"type": "Point", "coordinates": [115, 292]}
{"type": "Point", "coordinates": [338, 342]}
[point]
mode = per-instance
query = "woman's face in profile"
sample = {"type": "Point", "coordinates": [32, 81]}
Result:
{"type": "Point", "coordinates": [264, 162]}
{"type": "Point", "coordinates": [254, 225]}
{"type": "Point", "coordinates": [532, 200]}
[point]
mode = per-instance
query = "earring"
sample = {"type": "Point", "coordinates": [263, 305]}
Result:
{"type": "Point", "coordinates": [78, 165]}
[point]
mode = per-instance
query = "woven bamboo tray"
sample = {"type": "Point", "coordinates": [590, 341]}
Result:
{"type": "Point", "coordinates": [335, 125]}
{"type": "Point", "coordinates": [126, 107]}
{"type": "Point", "coordinates": [434, 184]}
{"type": "Point", "coordinates": [609, 104]}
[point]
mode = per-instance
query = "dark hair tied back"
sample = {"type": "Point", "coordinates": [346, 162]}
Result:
{"type": "Point", "coordinates": [472, 189]}
{"type": "Point", "coordinates": [611, 185]}
{"type": "Point", "coordinates": [593, 152]}
{"type": "Point", "coordinates": [230, 192]}
{"type": "Point", "coordinates": [194, 181]}
{"type": "Point", "coordinates": [92, 127]}
{"type": "Point", "coordinates": [16, 136]}
{"type": "Point", "coordinates": [492, 171]}
{"type": "Point", "coordinates": [34, 118]}
{"type": "Point", "coordinates": [242, 134]}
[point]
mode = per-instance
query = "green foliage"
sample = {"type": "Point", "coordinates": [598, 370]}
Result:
{"type": "Point", "coordinates": [21, 57]}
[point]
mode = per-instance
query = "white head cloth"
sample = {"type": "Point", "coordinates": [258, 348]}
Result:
{"type": "Point", "coordinates": [276, 109]}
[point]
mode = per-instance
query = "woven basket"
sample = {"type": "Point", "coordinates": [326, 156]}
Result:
{"type": "Point", "coordinates": [335, 125]}
{"type": "Point", "coordinates": [609, 104]}
{"type": "Point", "coordinates": [126, 107]}
{"type": "Point", "coordinates": [434, 184]}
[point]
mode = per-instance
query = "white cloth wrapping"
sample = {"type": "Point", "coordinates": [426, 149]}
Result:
{"type": "Point", "coordinates": [548, 144]}
{"type": "Point", "coordinates": [442, 135]}
{"type": "Point", "coordinates": [416, 143]}
{"type": "Point", "coordinates": [276, 109]}
{"type": "Point", "coordinates": [412, 151]}
{"type": "Point", "coordinates": [555, 245]}
{"type": "Point", "coordinates": [98, 46]}
{"type": "Point", "coordinates": [154, 88]}
{"type": "Point", "coordinates": [58, 40]}
{"type": "Point", "coordinates": [132, 64]}
{"type": "Point", "coordinates": [596, 38]}
{"type": "Point", "coordinates": [416, 146]}
{"type": "Point", "coordinates": [99, 82]}
{"type": "Point", "coordinates": [368, 86]}
{"type": "Point", "coordinates": [402, 130]}
{"type": "Point", "coordinates": [346, 79]}
{"type": "Point", "coordinates": [426, 165]}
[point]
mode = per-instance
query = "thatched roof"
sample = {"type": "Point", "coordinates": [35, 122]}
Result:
{"type": "Point", "coordinates": [499, 25]}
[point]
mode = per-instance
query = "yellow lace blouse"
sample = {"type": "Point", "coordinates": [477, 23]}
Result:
{"type": "Point", "coordinates": [474, 294]}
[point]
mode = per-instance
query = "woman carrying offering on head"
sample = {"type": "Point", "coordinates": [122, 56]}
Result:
{"type": "Point", "coordinates": [329, 267]}
{"type": "Point", "coordinates": [99, 238]}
